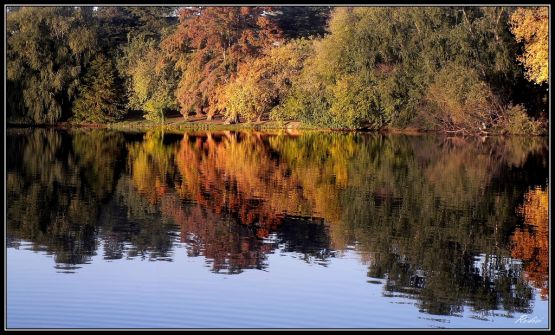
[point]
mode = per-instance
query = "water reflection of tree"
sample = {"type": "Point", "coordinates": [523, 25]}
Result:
{"type": "Point", "coordinates": [227, 177]}
{"type": "Point", "coordinates": [423, 210]}
{"type": "Point", "coordinates": [229, 246]}
{"type": "Point", "coordinates": [131, 226]}
{"type": "Point", "coordinates": [55, 184]}
{"type": "Point", "coordinates": [531, 241]}
{"type": "Point", "coordinates": [440, 212]}
{"type": "Point", "coordinates": [433, 217]}
{"type": "Point", "coordinates": [232, 172]}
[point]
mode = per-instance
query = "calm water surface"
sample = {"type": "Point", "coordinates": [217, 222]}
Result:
{"type": "Point", "coordinates": [250, 229]}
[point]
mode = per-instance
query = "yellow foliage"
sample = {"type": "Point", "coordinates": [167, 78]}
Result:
{"type": "Point", "coordinates": [531, 26]}
{"type": "Point", "coordinates": [535, 208]}
{"type": "Point", "coordinates": [262, 83]}
{"type": "Point", "coordinates": [458, 100]}
{"type": "Point", "coordinates": [149, 163]}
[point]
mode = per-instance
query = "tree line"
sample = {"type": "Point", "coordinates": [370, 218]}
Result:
{"type": "Point", "coordinates": [454, 69]}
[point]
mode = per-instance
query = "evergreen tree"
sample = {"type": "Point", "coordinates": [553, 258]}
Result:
{"type": "Point", "coordinates": [100, 95]}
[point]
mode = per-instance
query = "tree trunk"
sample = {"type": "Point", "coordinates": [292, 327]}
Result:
{"type": "Point", "coordinates": [467, 21]}
{"type": "Point", "coordinates": [232, 119]}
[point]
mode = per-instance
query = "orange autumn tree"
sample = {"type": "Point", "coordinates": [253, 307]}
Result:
{"type": "Point", "coordinates": [208, 45]}
{"type": "Point", "coordinates": [532, 244]}
{"type": "Point", "coordinates": [262, 83]}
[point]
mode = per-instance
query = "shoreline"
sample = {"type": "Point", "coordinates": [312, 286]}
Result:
{"type": "Point", "coordinates": [145, 125]}
{"type": "Point", "coordinates": [218, 125]}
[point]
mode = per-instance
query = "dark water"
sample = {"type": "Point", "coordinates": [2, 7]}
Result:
{"type": "Point", "coordinates": [250, 229]}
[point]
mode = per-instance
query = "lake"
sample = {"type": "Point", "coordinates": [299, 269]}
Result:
{"type": "Point", "coordinates": [109, 229]}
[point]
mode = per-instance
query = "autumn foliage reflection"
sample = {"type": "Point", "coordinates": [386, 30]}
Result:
{"type": "Point", "coordinates": [437, 219]}
{"type": "Point", "coordinates": [231, 173]}
{"type": "Point", "coordinates": [531, 242]}
{"type": "Point", "coordinates": [215, 188]}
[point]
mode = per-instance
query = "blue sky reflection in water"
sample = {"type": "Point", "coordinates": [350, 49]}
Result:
{"type": "Point", "coordinates": [110, 229]}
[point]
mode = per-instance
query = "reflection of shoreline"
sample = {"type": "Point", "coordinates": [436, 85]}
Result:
{"type": "Point", "coordinates": [231, 173]}
{"type": "Point", "coordinates": [424, 207]}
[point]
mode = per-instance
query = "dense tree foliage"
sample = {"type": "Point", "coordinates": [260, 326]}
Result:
{"type": "Point", "coordinates": [48, 50]}
{"type": "Point", "coordinates": [150, 77]}
{"type": "Point", "coordinates": [100, 97]}
{"type": "Point", "coordinates": [454, 69]}
{"type": "Point", "coordinates": [384, 67]}
{"type": "Point", "coordinates": [150, 81]}
{"type": "Point", "coordinates": [208, 46]}
{"type": "Point", "coordinates": [531, 26]}
{"type": "Point", "coordinates": [263, 83]}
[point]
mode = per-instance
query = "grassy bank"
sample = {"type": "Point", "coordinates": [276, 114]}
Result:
{"type": "Point", "coordinates": [216, 125]}
{"type": "Point", "coordinates": [178, 124]}
{"type": "Point", "coordinates": [205, 125]}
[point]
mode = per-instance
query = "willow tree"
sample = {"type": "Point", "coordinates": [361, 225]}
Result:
{"type": "Point", "coordinates": [375, 67]}
{"type": "Point", "coordinates": [47, 51]}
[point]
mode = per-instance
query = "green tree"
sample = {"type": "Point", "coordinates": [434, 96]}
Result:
{"type": "Point", "coordinates": [100, 94]}
{"type": "Point", "coordinates": [151, 80]}
{"type": "Point", "coordinates": [458, 101]}
{"type": "Point", "coordinates": [375, 67]}
{"type": "Point", "coordinates": [48, 49]}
